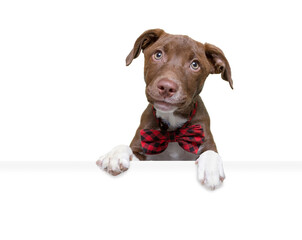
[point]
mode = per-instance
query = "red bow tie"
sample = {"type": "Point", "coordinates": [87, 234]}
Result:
{"type": "Point", "coordinates": [188, 137]}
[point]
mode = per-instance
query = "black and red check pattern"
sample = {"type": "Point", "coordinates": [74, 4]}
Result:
{"type": "Point", "coordinates": [188, 137]}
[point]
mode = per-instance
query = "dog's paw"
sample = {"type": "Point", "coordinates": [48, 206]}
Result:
{"type": "Point", "coordinates": [210, 169]}
{"type": "Point", "coordinates": [117, 160]}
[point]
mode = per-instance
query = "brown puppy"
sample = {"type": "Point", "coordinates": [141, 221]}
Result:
{"type": "Point", "coordinates": [176, 68]}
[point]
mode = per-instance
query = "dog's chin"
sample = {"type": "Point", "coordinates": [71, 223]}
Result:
{"type": "Point", "coordinates": [164, 106]}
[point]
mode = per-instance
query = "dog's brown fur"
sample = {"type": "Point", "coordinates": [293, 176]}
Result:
{"type": "Point", "coordinates": [178, 53]}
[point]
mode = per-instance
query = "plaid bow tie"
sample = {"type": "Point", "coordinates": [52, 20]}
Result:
{"type": "Point", "coordinates": [188, 137]}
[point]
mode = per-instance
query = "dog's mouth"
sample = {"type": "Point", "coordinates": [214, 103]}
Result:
{"type": "Point", "coordinates": [168, 104]}
{"type": "Point", "coordinates": [165, 105]}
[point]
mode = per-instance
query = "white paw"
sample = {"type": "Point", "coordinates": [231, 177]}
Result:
{"type": "Point", "coordinates": [210, 169]}
{"type": "Point", "coordinates": [117, 160]}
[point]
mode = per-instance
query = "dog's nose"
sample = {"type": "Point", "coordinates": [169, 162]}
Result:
{"type": "Point", "coordinates": [166, 87]}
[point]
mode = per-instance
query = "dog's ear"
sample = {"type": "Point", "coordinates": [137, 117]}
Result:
{"type": "Point", "coordinates": [143, 41]}
{"type": "Point", "coordinates": [219, 62]}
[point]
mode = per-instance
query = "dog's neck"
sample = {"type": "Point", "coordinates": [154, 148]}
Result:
{"type": "Point", "coordinates": [175, 119]}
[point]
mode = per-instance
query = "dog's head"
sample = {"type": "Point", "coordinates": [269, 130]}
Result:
{"type": "Point", "coordinates": [176, 68]}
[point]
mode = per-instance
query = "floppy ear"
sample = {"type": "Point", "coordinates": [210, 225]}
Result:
{"type": "Point", "coordinates": [219, 62]}
{"type": "Point", "coordinates": [143, 41]}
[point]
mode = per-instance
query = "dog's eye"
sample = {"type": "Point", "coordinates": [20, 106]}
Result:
{"type": "Point", "coordinates": [158, 55]}
{"type": "Point", "coordinates": [195, 65]}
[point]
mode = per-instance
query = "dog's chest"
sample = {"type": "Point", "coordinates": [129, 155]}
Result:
{"type": "Point", "coordinates": [173, 152]}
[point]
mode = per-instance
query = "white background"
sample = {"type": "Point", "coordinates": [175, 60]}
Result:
{"type": "Point", "coordinates": [67, 97]}
{"type": "Point", "coordinates": [152, 200]}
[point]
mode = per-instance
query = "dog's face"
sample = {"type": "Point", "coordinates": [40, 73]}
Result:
{"type": "Point", "coordinates": [176, 68]}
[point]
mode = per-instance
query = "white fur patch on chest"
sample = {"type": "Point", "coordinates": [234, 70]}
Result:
{"type": "Point", "coordinates": [171, 119]}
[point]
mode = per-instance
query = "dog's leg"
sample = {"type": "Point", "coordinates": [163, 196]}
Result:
{"type": "Point", "coordinates": [117, 160]}
{"type": "Point", "coordinates": [210, 169]}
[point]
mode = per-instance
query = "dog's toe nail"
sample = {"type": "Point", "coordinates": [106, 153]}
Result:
{"type": "Point", "coordinates": [99, 163]}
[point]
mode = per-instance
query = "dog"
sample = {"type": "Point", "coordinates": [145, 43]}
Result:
{"type": "Point", "coordinates": [175, 125]}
